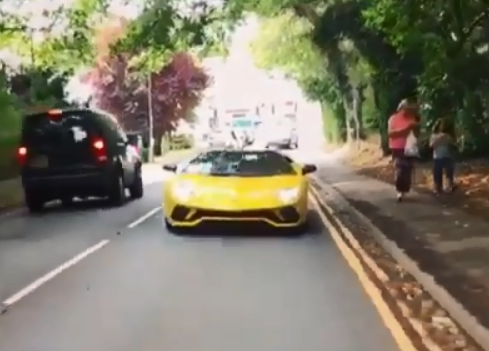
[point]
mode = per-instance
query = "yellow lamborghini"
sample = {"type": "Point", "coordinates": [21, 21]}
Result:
{"type": "Point", "coordinates": [237, 186]}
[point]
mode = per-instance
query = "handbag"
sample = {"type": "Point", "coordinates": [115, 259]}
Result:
{"type": "Point", "coordinates": [411, 149]}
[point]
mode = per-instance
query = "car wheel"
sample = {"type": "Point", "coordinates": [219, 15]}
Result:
{"type": "Point", "coordinates": [33, 202]}
{"type": "Point", "coordinates": [67, 201]}
{"type": "Point", "coordinates": [117, 195]}
{"type": "Point", "coordinates": [136, 190]}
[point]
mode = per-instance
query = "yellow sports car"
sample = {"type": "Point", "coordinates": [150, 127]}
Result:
{"type": "Point", "coordinates": [237, 186]}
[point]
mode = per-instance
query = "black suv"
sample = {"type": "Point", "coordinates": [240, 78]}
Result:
{"type": "Point", "coordinates": [76, 153]}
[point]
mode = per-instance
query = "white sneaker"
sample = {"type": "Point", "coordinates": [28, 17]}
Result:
{"type": "Point", "coordinates": [400, 197]}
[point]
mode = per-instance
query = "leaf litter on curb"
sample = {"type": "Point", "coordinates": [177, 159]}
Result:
{"type": "Point", "coordinates": [432, 319]}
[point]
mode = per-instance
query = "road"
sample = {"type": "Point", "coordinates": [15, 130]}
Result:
{"type": "Point", "coordinates": [144, 289]}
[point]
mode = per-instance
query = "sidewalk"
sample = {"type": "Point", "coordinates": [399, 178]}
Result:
{"type": "Point", "coordinates": [446, 243]}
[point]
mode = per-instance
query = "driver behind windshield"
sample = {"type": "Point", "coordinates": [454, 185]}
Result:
{"type": "Point", "coordinates": [241, 164]}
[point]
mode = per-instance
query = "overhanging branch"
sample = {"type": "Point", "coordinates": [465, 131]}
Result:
{"type": "Point", "coordinates": [306, 11]}
{"type": "Point", "coordinates": [483, 16]}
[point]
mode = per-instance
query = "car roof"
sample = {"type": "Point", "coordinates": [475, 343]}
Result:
{"type": "Point", "coordinates": [63, 110]}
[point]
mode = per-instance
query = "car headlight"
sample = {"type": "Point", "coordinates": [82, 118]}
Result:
{"type": "Point", "coordinates": [183, 191]}
{"type": "Point", "coordinates": [288, 195]}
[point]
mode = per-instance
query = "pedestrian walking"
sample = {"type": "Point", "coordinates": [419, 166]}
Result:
{"type": "Point", "coordinates": [401, 132]}
{"type": "Point", "coordinates": [442, 143]}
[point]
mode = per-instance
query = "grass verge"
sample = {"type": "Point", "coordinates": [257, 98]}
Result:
{"type": "Point", "coordinates": [11, 195]}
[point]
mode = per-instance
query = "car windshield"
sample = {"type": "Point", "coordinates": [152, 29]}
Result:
{"type": "Point", "coordinates": [240, 163]}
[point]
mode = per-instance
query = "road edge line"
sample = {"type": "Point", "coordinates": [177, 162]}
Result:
{"type": "Point", "coordinates": [402, 340]}
{"type": "Point", "coordinates": [452, 306]}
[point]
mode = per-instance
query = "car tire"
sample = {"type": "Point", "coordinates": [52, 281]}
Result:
{"type": "Point", "coordinates": [117, 195]}
{"type": "Point", "coordinates": [67, 201]}
{"type": "Point", "coordinates": [136, 190]}
{"type": "Point", "coordinates": [33, 202]}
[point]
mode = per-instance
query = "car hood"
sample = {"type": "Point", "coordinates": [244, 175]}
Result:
{"type": "Point", "coordinates": [244, 184]}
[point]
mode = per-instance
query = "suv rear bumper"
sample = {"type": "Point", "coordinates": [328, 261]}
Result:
{"type": "Point", "coordinates": [279, 143]}
{"type": "Point", "coordinates": [93, 183]}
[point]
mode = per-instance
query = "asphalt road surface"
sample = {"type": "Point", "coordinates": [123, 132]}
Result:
{"type": "Point", "coordinates": [117, 281]}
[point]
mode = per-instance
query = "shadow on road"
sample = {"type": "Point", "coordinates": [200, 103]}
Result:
{"type": "Point", "coordinates": [77, 206]}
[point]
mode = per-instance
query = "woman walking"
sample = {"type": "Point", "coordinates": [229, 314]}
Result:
{"type": "Point", "coordinates": [443, 164]}
{"type": "Point", "coordinates": [400, 127]}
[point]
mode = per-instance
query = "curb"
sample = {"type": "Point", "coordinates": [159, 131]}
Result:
{"type": "Point", "coordinates": [361, 264]}
{"type": "Point", "coordinates": [455, 309]}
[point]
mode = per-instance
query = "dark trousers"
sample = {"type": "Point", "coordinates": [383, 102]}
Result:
{"type": "Point", "coordinates": [442, 167]}
{"type": "Point", "coordinates": [404, 170]}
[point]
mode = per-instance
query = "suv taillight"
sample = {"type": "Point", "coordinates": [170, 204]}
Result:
{"type": "Point", "coordinates": [99, 150]}
{"type": "Point", "coordinates": [22, 155]}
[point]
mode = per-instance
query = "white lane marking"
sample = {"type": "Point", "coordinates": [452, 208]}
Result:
{"type": "Point", "coordinates": [143, 218]}
{"type": "Point", "coordinates": [50, 275]}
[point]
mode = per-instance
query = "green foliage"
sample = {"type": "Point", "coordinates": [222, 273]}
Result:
{"type": "Point", "coordinates": [164, 28]}
{"type": "Point", "coordinates": [284, 43]}
{"type": "Point", "coordinates": [372, 54]}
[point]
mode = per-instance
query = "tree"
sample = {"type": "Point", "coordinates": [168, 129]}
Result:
{"type": "Point", "coordinates": [120, 88]}
{"type": "Point", "coordinates": [393, 50]}
{"type": "Point", "coordinates": [449, 39]}
{"type": "Point", "coordinates": [164, 28]}
{"type": "Point", "coordinates": [284, 42]}
{"type": "Point", "coordinates": [287, 42]}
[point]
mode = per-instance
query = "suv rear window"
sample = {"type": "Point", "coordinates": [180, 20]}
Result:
{"type": "Point", "coordinates": [65, 139]}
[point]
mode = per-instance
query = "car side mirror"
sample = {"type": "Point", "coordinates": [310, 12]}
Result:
{"type": "Point", "coordinates": [170, 168]}
{"type": "Point", "coordinates": [307, 169]}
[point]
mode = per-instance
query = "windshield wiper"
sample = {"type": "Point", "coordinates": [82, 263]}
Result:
{"type": "Point", "coordinates": [218, 174]}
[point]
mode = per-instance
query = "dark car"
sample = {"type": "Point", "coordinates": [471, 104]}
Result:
{"type": "Point", "coordinates": [76, 153]}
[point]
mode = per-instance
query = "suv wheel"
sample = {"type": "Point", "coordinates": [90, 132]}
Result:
{"type": "Point", "coordinates": [136, 190]}
{"type": "Point", "coordinates": [117, 194]}
{"type": "Point", "coordinates": [67, 201]}
{"type": "Point", "coordinates": [33, 202]}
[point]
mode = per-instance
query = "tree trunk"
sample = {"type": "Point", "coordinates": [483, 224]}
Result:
{"type": "Point", "coordinates": [348, 121]}
{"type": "Point", "coordinates": [158, 137]}
{"type": "Point", "coordinates": [357, 114]}
{"type": "Point", "coordinates": [359, 91]}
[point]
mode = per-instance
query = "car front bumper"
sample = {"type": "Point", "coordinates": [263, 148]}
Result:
{"type": "Point", "coordinates": [281, 217]}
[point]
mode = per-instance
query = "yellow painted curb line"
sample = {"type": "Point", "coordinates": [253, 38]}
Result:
{"type": "Point", "coordinates": [403, 341]}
